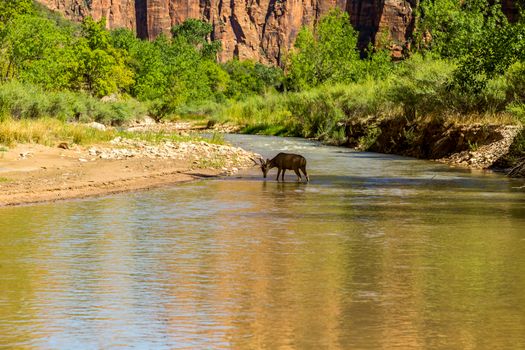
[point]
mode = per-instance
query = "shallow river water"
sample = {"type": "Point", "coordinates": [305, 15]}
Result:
{"type": "Point", "coordinates": [375, 252]}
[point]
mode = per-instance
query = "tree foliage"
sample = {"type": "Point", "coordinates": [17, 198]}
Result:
{"type": "Point", "coordinates": [467, 57]}
{"type": "Point", "coordinates": [196, 33]}
{"type": "Point", "coordinates": [328, 53]}
{"type": "Point", "coordinates": [249, 77]}
{"type": "Point", "coordinates": [476, 34]}
{"type": "Point", "coordinates": [10, 9]}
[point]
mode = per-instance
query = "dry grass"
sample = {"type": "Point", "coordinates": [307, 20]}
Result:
{"type": "Point", "coordinates": [502, 118]}
{"type": "Point", "coordinates": [48, 131]}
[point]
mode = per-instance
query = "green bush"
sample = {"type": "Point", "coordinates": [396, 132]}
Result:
{"type": "Point", "coordinates": [24, 101]}
{"type": "Point", "coordinates": [420, 86]}
{"type": "Point", "coordinates": [250, 78]}
{"type": "Point", "coordinates": [515, 77]}
{"type": "Point", "coordinates": [517, 110]}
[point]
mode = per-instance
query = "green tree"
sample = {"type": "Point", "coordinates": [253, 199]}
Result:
{"type": "Point", "coordinates": [146, 60]}
{"type": "Point", "coordinates": [493, 54]}
{"type": "Point", "coordinates": [327, 54]}
{"type": "Point", "coordinates": [196, 32]}
{"type": "Point", "coordinates": [9, 9]}
{"type": "Point", "coordinates": [38, 51]}
{"type": "Point", "coordinates": [103, 68]}
{"type": "Point", "coordinates": [177, 70]}
{"type": "Point", "coordinates": [27, 40]}
{"type": "Point", "coordinates": [453, 27]}
{"type": "Point", "coordinates": [249, 78]}
{"type": "Point", "coordinates": [476, 34]}
{"type": "Point", "coordinates": [95, 33]}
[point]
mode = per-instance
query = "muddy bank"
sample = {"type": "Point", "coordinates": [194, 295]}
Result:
{"type": "Point", "coordinates": [481, 146]}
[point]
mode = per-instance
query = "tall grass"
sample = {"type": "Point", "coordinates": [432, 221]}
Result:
{"type": "Point", "coordinates": [321, 113]}
{"type": "Point", "coordinates": [21, 101]}
{"type": "Point", "coordinates": [48, 131]}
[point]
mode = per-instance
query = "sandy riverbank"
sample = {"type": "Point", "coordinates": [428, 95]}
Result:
{"type": "Point", "coordinates": [36, 173]}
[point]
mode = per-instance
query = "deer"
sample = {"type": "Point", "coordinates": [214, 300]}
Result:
{"type": "Point", "coordinates": [283, 162]}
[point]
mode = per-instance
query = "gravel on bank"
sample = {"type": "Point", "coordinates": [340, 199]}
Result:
{"type": "Point", "coordinates": [32, 173]}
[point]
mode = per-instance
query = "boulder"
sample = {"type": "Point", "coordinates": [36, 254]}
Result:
{"type": "Point", "coordinates": [110, 98]}
{"type": "Point", "coordinates": [97, 126]}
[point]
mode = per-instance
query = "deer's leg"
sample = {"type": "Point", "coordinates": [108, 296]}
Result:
{"type": "Point", "coordinates": [298, 174]}
{"type": "Point", "coordinates": [278, 173]}
{"type": "Point", "coordinates": [283, 174]}
{"type": "Point", "coordinates": [303, 169]}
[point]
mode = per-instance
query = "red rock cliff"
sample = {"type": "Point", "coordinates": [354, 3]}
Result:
{"type": "Point", "coordinates": [259, 29]}
{"type": "Point", "coordinates": [118, 13]}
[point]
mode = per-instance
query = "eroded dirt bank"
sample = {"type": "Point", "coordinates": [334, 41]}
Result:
{"type": "Point", "coordinates": [35, 173]}
{"type": "Point", "coordinates": [481, 146]}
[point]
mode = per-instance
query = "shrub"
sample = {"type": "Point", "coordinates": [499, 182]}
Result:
{"type": "Point", "coordinates": [48, 131]}
{"type": "Point", "coordinates": [24, 101]}
{"type": "Point", "coordinates": [420, 86]}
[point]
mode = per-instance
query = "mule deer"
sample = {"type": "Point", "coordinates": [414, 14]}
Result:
{"type": "Point", "coordinates": [283, 162]}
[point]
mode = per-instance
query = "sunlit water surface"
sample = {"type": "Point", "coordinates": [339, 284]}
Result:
{"type": "Point", "coordinates": [375, 252]}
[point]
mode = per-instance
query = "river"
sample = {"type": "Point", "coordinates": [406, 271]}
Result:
{"type": "Point", "coordinates": [377, 251]}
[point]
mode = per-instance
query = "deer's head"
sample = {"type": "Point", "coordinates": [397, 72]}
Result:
{"type": "Point", "coordinates": [264, 164]}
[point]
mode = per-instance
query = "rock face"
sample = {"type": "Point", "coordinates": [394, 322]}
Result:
{"type": "Point", "coordinates": [250, 29]}
{"type": "Point", "coordinates": [389, 22]}
{"type": "Point", "coordinates": [256, 29]}
{"type": "Point", "coordinates": [118, 13]}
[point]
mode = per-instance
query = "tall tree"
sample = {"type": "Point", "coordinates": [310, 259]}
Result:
{"type": "Point", "coordinates": [328, 53]}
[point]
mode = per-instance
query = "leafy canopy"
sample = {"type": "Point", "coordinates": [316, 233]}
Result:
{"type": "Point", "coordinates": [329, 54]}
{"type": "Point", "coordinates": [476, 34]}
{"type": "Point", "coordinates": [9, 9]}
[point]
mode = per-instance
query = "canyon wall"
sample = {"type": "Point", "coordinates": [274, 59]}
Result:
{"type": "Point", "coordinates": [249, 29]}
{"type": "Point", "coordinates": [118, 13]}
{"type": "Point", "coordinates": [263, 30]}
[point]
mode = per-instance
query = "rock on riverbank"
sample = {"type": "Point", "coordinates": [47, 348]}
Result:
{"type": "Point", "coordinates": [200, 154]}
{"type": "Point", "coordinates": [486, 155]}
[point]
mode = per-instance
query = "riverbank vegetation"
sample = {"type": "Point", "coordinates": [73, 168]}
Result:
{"type": "Point", "coordinates": [69, 67]}
{"type": "Point", "coordinates": [418, 90]}
{"type": "Point", "coordinates": [472, 70]}
{"type": "Point", "coordinates": [465, 64]}
{"type": "Point", "coordinates": [51, 132]}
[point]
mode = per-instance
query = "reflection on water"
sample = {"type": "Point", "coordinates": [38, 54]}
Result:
{"type": "Point", "coordinates": [375, 252]}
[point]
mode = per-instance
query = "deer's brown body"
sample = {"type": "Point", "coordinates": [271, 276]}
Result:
{"type": "Point", "coordinates": [283, 162]}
